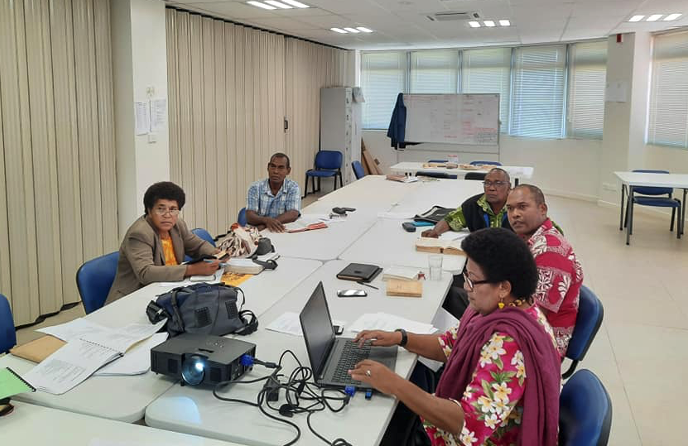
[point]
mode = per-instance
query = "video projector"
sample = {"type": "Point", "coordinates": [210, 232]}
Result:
{"type": "Point", "coordinates": [202, 359]}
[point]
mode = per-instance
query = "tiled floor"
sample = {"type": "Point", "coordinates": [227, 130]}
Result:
{"type": "Point", "coordinates": [640, 353]}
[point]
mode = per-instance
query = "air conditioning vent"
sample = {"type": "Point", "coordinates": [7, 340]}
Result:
{"type": "Point", "coordinates": [452, 15]}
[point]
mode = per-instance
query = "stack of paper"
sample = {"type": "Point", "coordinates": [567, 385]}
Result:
{"type": "Point", "coordinates": [400, 273]}
{"type": "Point", "coordinates": [243, 266]}
{"type": "Point", "coordinates": [289, 323]}
{"type": "Point", "coordinates": [389, 322]}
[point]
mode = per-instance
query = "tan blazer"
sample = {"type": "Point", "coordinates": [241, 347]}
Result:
{"type": "Point", "coordinates": [141, 258]}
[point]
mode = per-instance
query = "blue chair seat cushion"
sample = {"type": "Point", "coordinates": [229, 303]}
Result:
{"type": "Point", "coordinates": [321, 173]}
{"type": "Point", "coordinates": [657, 202]}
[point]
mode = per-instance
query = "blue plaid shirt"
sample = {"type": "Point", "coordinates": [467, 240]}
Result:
{"type": "Point", "coordinates": [261, 201]}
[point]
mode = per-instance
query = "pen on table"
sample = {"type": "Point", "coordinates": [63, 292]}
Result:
{"type": "Point", "coordinates": [221, 265]}
{"type": "Point", "coordinates": [365, 284]}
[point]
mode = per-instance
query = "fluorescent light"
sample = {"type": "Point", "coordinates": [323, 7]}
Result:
{"type": "Point", "coordinates": [636, 18]}
{"type": "Point", "coordinates": [352, 30]}
{"type": "Point", "coordinates": [505, 23]}
{"type": "Point", "coordinates": [278, 4]}
{"type": "Point", "coordinates": [338, 30]}
{"type": "Point", "coordinates": [474, 24]}
{"type": "Point", "coordinates": [489, 23]}
{"type": "Point", "coordinates": [671, 17]}
{"type": "Point", "coordinates": [295, 3]}
{"type": "Point", "coordinates": [261, 5]}
{"type": "Point", "coordinates": [653, 18]}
{"type": "Point", "coordinates": [364, 29]}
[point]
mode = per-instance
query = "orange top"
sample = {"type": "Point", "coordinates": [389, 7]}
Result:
{"type": "Point", "coordinates": [168, 252]}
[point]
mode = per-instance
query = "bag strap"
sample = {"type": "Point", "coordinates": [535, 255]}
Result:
{"type": "Point", "coordinates": [175, 308]}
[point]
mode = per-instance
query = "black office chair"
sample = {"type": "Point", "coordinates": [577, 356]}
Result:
{"type": "Point", "coordinates": [423, 173]}
{"type": "Point", "coordinates": [656, 197]}
{"type": "Point", "coordinates": [475, 176]}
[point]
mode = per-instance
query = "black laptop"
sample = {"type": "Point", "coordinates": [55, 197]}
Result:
{"type": "Point", "coordinates": [332, 357]}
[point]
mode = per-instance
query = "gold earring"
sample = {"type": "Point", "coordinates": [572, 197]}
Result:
{"type": "Point", "coordinates": [501, 303]}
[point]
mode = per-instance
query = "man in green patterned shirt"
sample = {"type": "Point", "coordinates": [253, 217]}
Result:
{"type": "Point", "coordinates": [487, 210]}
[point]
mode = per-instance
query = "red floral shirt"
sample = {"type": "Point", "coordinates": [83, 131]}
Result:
{"type": "Point", "coordinates": [560, 277]}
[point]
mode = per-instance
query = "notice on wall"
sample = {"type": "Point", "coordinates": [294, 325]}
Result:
{"type": "Point", "coordinates": [142, 117]}
{"type": "Point", "coordinates": [158, 111]}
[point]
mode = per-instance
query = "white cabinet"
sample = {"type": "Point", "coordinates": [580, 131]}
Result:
{"type": "Point", "coordinates": [340, 126]}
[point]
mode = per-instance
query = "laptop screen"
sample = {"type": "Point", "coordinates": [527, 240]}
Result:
{"type": "Point", "coordinates": [318, 332]}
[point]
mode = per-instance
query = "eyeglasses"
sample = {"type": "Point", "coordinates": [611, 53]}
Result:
{"type": "Point", "coordinates": [495, 183]}
{"type": "Point", "coordinates": [472, 283]}
{"type": "Point", "coordinates": [162, 211]}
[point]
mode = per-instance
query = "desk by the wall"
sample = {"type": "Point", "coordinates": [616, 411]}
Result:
{"type": "Point", "coordinates": [517, 172]}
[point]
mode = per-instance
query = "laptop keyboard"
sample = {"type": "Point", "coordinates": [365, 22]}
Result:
{"type": "Point", "coordinates": [351, 355]}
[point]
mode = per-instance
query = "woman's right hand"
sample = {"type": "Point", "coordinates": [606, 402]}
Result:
{"type": "Point", "coordinates": [378, 337]}
{"type": "Point", "coordinates": [202, 268]}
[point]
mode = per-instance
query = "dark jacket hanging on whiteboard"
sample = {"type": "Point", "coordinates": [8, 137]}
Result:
{"type": "Point", "coordinates": [397, 126]}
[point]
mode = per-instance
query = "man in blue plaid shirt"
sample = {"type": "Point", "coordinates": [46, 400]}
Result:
{"type": "Point", "coordinates": [276, 200]}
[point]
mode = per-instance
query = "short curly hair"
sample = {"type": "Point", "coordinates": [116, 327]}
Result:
{"type": "Point", "coordinates": [503, 256]}
{"type": "Point", "coordinates": [164, 190]}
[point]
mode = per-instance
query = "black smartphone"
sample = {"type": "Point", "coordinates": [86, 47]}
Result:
{"type": "Point", "coordinates": [408, 226]}
{"type": "Point", "coordinates": [351, 293]}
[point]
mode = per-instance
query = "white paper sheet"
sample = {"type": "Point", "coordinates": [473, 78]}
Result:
{"type": "Point", "coordinates": [396, 215]}
{"type": "Point", "coordinates": [453, 235]}
{"type": "Point", "coordinates": [136, 361]}
{"type": "Point", "coordinates": [158, 118]}
{"type": "Point", "coordinates": [74, 329]}
{"type": "Point", "coordinates": [142, 117]}
{"type": "Point", "coordinates": [389, 322]}
{"type": "Point", "coordinates": [120, 339]}
{"type": "Point", "coordinates": [289, 323]}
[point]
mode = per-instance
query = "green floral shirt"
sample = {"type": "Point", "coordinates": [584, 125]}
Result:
{"type": "Point", "coordinates": [457, 221]}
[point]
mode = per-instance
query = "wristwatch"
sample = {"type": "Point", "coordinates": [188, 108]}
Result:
{"type": "Point", "coordinates": [404, 337]}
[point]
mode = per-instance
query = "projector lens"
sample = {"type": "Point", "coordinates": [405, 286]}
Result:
{"type": "Point", "coordinates": [193, 370]}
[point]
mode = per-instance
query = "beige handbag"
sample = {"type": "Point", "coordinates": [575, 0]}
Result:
{"type": "Point", "coordinates": [240, 242]}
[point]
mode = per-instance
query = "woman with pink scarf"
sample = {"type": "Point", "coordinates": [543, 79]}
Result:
{"type": "Point", "coordinates": [501, 380]}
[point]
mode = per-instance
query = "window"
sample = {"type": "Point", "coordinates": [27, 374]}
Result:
{"type": "Point", "coordinates": [383, 77]}
{"type": "Point", "coordinates": [487, 71]}
{"type": "Point", "coordinates": [668, 115]}
{"type": "Point", "coordinates": [587, 79]}
{"type": "Point", "coordinates": [434, 71]}
{"type": "Point", "coordinates": [537, 102]}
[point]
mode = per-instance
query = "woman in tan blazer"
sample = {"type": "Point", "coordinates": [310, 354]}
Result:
{"type": "Point", "coordinates": [155, 245]}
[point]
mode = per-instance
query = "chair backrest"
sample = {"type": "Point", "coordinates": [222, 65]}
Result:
{"type": "Point", "coordinates": [585, 411]}
{"type": "Point", "coordinates": [652, 190]}
{"type": "Point", "coordinates": [94, 280]}
{"type": "Point", "coordinates": [488, 163]}
{"type": "Point", "coordinates": [328, 160]}
{"type": "Point", "coordinates": [8, 335]}
{"type": "Point", "coordinates": [438, 161]}
{"type": "Point", "coordinates": [241, 218]}
{"type": "Point", "coordinates": [475, 176]}
{"type": "Point", "coordinates": [422, 173]}
{"type": "Point", "coordinates": [358, 169]}
{"type": "Point", "coordinates": [588, 322]}
{"type": "Point", "coordinates": [205, 235]}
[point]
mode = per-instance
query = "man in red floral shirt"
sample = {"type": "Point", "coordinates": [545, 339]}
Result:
{"type": "Point", "coordinates": [560, 275]}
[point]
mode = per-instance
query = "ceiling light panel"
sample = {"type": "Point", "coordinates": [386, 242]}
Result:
{"type": "Point", "coordinates": [338, 30]}
{"type": "Point", "coordinates": [352, 30]}
{"type": "Point", "coordinates": [474, 24]}
{"type": "Point", "coordinates": [672, 17]}
{"type": "Point", "coordinates": [636, 18]}
{"type": "Point", "coordinates": [278, 4]}
{"type": "Point", "coordinates": [364, 29]}
{"type": "Point", "coordinates": [489, 23]}
{"type": "Point", "coordinates": [504, 23]}
{"type": "Point", "coordinates": [261, 5]}
{"type": "Point", "coordinates": [295, 4]}
{"type": "Point", "coordinates": [654, 17]}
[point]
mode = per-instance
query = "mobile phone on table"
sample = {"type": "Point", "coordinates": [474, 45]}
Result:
{"type": "Point", "coordinates": [351, 293]}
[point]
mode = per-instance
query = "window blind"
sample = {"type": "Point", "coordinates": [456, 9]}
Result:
{"type": "Point", "coordinates": [668, 115]}
{"type": "Point", "coordinates": [537, 101]}
{"type": "Point", "coordinates": [488, 71]}
{"type": "Point", "coordinates": [435, 71]}
{"type": "Point", "coordinates": [587, 79]}
{"type": "Point", "coordinates": [383, 77]}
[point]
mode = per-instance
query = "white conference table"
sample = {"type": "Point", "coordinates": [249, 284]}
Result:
{"type": "Point", "coordinates": [630, 180]}
{"type": "Point", "coordinates": [29, 424]}
{"type": "Point", "coordinates": [195, 410]}
{"type": "Point", "coordinates": [125, 398]}
{"type": "Point", "coordinates": [516, 172]}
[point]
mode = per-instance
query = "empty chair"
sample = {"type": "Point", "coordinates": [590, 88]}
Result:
{"type": "Point", "coordinates": [328, 163]}
{"type": "Point", "coordinates": [94, 280]}
{"type": "Point", "coordinates": [241, 218]}
{"type": "Point", "coordinates": [475, 176]}
{"type": "Point", "coordinates": [488, 163]}
{"type": "Point", "coordinates": [423, 173]}
{"type": "Point", "coordinates": [358, 169]}
{"type": "Point", "coordinates": [588, 322]}
{"type": "Point", "coordinates": [8, 335]}
{"type": "Point", "coordinates": [585, 411]}
{"type": "Point", "coordinates": [654, 196]}
{"type": "Point", "coordinates": [205, 235]}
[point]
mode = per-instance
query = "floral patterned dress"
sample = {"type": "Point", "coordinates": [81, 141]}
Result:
{"type": "Point", "coordinates": [491, 403]}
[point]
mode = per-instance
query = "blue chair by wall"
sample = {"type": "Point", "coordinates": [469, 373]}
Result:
{"type": "Point", "coordinates": [94, 280]}
{"type": "Point", "coordinates": [585, 411]}
{"type": "Point", "coordinates": [487, 163]}
{"type": "Point", "coordinates": [652, 196]}
{"type": "Point", "coordinates": [8, 335]}
{"type": "Point", "coordinates": [588, 322]}
{"type": "Point", "coordinates": [241, 218]}
{"type": "Point", "coordinates": [358, 169]}
{"type": "Point", "coordinates": [205, 235]}
{"type": "Point", "coordinates": [328, 163]}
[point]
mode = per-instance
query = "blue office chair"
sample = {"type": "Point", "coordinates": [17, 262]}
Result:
{"type": "Point", "coordinates": [241, 218]}
{"type": "Point", "coordinates": [438, 161]}
{"type": "Point", "coordinates": [588, 322]}
{"type": "Point", "coordinates": [487, 163]}
{"type": "Point", "coordinates": [422, 173]}
{"type": "Point", "coordinates": [94, 280]}
{"type": "Point", "coordinates": [358, 169]}
{"type": "Point", "coordinates": [8, 335]}
{"type": "Point", "coordinates": [328, 163]}
{"type": "Point", "coordinates": [205, 235]}
{"type": "Point", "coordinates": [650, 196]}
{"type": "Point", "coordinates": [585, 411]}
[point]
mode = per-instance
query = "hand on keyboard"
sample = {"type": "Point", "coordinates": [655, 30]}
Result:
{"type": "Point", "coordinates": [378, 338]}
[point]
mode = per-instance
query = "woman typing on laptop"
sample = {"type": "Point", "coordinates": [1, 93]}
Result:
{"type": "Point", "coordinates": [501, 380]}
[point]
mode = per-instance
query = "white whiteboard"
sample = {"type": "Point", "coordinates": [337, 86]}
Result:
{"type": "Point", "coordinates": [471, 119]}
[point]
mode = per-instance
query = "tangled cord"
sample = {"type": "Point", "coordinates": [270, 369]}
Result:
{"type": "Point", "coordinates": [301, 396]}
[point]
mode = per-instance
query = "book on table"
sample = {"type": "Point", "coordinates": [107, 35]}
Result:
{"type": "Point", "coordinates": [404, 288]}
{"type": "Point", "coordinates": [439, 246]}
{"type": "Point", "coordinates": [303, 225]}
